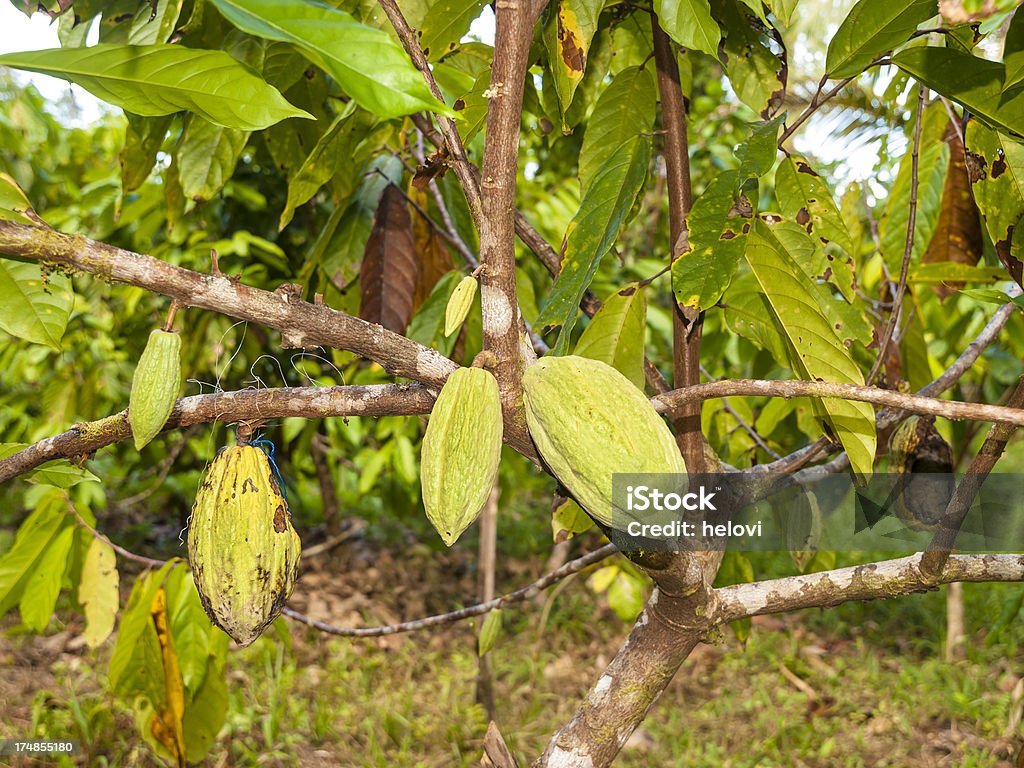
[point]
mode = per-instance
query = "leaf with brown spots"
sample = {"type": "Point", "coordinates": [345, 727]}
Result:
{"type": "Point", "coordinates": [568, 34]}
{"type": "Point", "coordinates": [387, 276]}
{"type": "Point", "coordinates": [803, 194]}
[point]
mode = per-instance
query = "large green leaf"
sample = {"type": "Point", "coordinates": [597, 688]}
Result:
{"type": "Point", "coordinates": [757, 154]}
{"type": "Point", "coordinates": [1013, 52]}
{"type": "Point", "coordinates": [135, 662]}
{"type": "Point", "coordinates": [816, 352]}
{"type": "Point", "coordinates": [33, 540]}
{"type": "Point", "coordinates": [42, 586]}
{"type": "Point", "coordinates": [615, 335]}
{"type": "Point", "coordinates": [690, 24]}
{"type": "Point", "coordinates": [625, 110]}
{"type": "Point", "coordinates": [717, 226]}
{"type": "Point", "coordinates": [873, 27]}
{"type": "Point", "coordinates": [371, 66]}
{"type": "Point", "coordinates": [207, 157]}
{"type": "Point", "coordinates": [592, 232]}
{"type": "Point", "coordinates": [154, 80]}
{"type": "Point", "coordinates": [31, 307]}
{"type": "Point", "coordinates": [998, 183]}
{"type": "Point", "coordinates": [804, 195]}
{"type": "Point", "coordinates": [974, 82]}
{"type": "Point", "coordinates": [567, 36]}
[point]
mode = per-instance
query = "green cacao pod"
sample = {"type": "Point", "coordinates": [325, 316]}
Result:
{"type": "Point", "coordinates": [459, 304]}
{"type": "Point", "coordinates": [461, 451]}
{"type": "Point", "coordinates": [155, 386]}
{"type": "Point", "coordinates": [589, 422]}
{"type": "Point", "coordinates": [242, 547]}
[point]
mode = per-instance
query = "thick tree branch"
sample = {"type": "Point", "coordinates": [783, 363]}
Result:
{"type": "Point", "coordinates": [889, 578]}
{"type": "Point", "coordinates": [309, 402]}
{"type": "Point", "coordinates": [687, 324]}
{"type": "Point", "coordinates": [302, 324]}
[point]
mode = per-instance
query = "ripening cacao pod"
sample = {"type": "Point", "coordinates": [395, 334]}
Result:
{"type": "Point", "coordinates": [242, 547]}
{"type": "Point", "coordinates": [923, 464]}
{"type": "Point", "coordinates": [459, 304]}
{"type": "Point", "coordinates": [461, 451]}
{"type": "Point", "coordinates": [155, 386]}
{"type": "Point", "coordinates": [589, 422]}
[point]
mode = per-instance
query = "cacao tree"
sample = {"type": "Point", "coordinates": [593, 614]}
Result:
{"type": "Point", "coordinates": [332, 219]}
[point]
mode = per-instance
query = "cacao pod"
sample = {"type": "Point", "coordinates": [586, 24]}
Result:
{"type": "Point", "coordinates": [155, 386]}
{"type": "Point", "coordinates": [589, 422]}
{"type": "Point", "coordinates": [461, 451]}
{"type": "Point", "coordinates": [459, 304]}
{"type": "Point", "coordinates": [242, 547]}
{"type": "Point", "coordinates": [923, 463]}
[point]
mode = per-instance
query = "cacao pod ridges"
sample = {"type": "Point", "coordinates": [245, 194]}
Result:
{"type": "Point", "coordinates": [155, 386]}
{"type": "Point", "coordinates": [461, 451]}
{"type": "Point", "coordinates": [589, 422]}
{"type": "Point", "coordinates": [242, 547]}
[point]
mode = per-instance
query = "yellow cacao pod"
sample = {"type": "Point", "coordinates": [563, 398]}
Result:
{"type": "Point", "coordinates": [155, 386]}
{"type": "Point", "coordinates": [242, 547]}
{"type": "Point", "coordinates": [461, 451]}
{"type": "Point", "coordinates": [459, 304]}
{"type": "Point", "coordinates": [590, 422]}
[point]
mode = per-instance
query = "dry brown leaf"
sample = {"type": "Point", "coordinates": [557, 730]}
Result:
{"type": "Point", "coordinates": [388, 274]}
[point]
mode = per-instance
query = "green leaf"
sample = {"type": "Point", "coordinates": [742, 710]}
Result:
{"type": "Point", "coordinates": [42, 587]}
{"type": "Point", "coordinates": [626, 595]}
{"type": "Point", "coordinates": [333, 151]}
{"type": "Point", "coordinates": [1013, 52]}
{"type": "Point", "coordinates": [784, 10]}
{"type": "Point", "coordinates": [569, 520]}
{"type": "Point", "coordinates": [757, 73]}
{"type": "Point", "coordinates": [568, 34]}
{"type": "Point", "coordinates": [717, 225]}
{"type": "Point", "coordinates": [816, 352]}
{"type": "Point", "coordinates": [690, 24]}
{"type": "Point", "coordinates": [154, 23]}
{"type": "Point", "coordinates": [974, 82]}
{"type": "Point", "coordinates": [98, 592]}
{"type": "Point", "coordinates": [592, 232]}
{"type": "Point", "coordinates": [14, 203]}
{"type": "Point", "coordinates": [207, 157]}
{"type": "Point", "coordinates": [933, 163]}
{"type": "Point", "coordinates": [30, 546]}
{"type": "Point", "coordinates": [154, 80]}
{"type": "Point", "coordinates": [615, 335]}
{"type": "Point", "coordinates": [32, 308]}
{"type": "Point", "coordinates": [954, 272]}
{"type": "Point", "coordinates": [624, 110]}
{"type": "Point", "coordinates": [998, 184]}
{"type": "Point", "coordinates": [190, 628]}
{"type": "Point", "coordinates": [441, 24]}
{"type": "Point", "coordinates": [872, 28]}
{"type": "Point", "coordinates": [142, 140]}
{"type": "Point", "coordinates": [206, 711]}
{"type": "Point", "coordinates": [136, 656]}
{"type": "Point", "coordinates": [805, 196]}
{"type": "Point", "coordinates": [427, 324]}
{"type": "Point", "coordinates": [489, 632]}
{"type": "Point", "coordinates": [757, 154]}
{"type": "Point", "coordinates": [371, 66]}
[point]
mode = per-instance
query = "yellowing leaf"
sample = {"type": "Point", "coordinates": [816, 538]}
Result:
{"type": "Point", "coordinates": [99, 592]}
{"type": "Point", "coordinates": [166, 724]}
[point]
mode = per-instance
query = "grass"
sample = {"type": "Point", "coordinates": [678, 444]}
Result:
{"type": "Point", "coordinates": [861, 685]}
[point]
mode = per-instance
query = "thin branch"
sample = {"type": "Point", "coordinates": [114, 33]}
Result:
{"type": "Point", "coordinates": [149, 562]}
{"type": "Point", "coordinates": [908, 247]}
{"type": "Point", "coordinates": [308, 402]}
{"type": "Point", "coordinates": [301, 324]}
{"type": "Point", "coordinates": [520, 595]}
{"type": "Point", "coordinates": [749, 429]}
{"type": "Point", "coordinates": [816, 103]}
{"type": "Point", "coordinates": [670, 402]}
{"type": "Point", "coordinates": [889, 578]}
{"type": "Point", "coordinates": [934, 560]}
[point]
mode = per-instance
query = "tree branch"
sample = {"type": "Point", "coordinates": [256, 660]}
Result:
{"type": "Point", "coordinates": [309, 402]}
{"type": "Point", "coordinates": [301, 324]}
{"type": "Point", "coordinates": [889, 578]}
{"type": "Point", "coordinates": [520, 595]}
{"type": "Point", "coordinates": [670, 402]}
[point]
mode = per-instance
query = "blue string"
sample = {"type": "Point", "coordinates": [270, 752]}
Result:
{"type": "Point", "coordinates": [268, 448]}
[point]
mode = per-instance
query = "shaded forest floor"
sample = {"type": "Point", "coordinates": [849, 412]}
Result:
{"type": "Point", "coordinates": [862, 685]}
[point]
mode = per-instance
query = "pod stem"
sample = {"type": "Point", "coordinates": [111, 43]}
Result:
{"type": "Point", "coordinates": [171, 313]}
